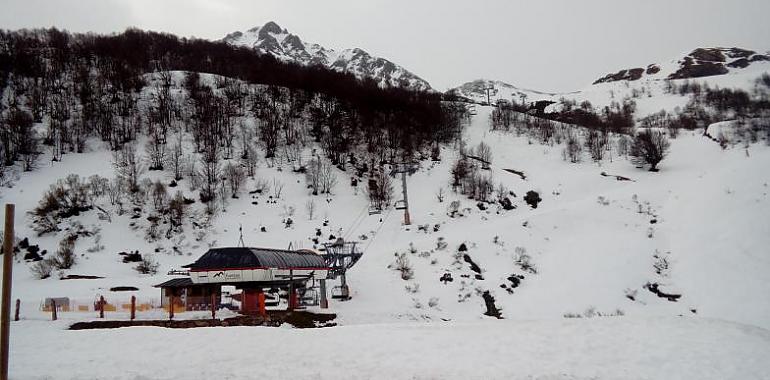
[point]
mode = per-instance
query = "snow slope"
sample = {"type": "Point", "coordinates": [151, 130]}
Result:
{"type": "Point", "coordinates": [592, 240]}
{"type": "Point", "coordinates": [698, 228]}
{"type": "Point", "coordinates": [648, 91]}
{"type": "Point", "coordinates": [615, 348]}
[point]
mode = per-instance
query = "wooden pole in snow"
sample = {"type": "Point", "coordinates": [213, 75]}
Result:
{"type": "Point", "coordinates": [213, 305]}
{"type": "Point", "coordinates": [18, 305]}
{"type": "Point", "coordinates": [324, 300]}
{"type": "Point", "coordinates": [407, 218]}
{"type": "Point", "coordinates": [101, 306]}
{"type": "Point", "coordinates": [5, 315]}
{"type": "Point", "coordinates": [53, 310]}
{"type": "Point", "coordinates": [133, 307]}
{"type": "Point", "coordinates": [171, 304]}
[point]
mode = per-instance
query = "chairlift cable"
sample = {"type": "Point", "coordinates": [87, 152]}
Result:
{"type": "Point", "coordinates": [356, 222]}
{"type": "Point", "coordinates": [377, 232]}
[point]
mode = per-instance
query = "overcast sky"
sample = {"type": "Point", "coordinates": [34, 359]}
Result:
{"type": "Point", "coordinates": [550, 45]}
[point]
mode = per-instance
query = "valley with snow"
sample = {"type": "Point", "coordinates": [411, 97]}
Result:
{"type": "Point", "coordinates": [541, 243]}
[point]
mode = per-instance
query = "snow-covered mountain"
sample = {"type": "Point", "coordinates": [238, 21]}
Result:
{"type": "Point", "coordinates": [274, 40]}
{"type": "Point", "coordinates": [701, 62]}
{"type": "Point", "coordinates": [490, 91]}
{"type": "Point", "coordinates": [648, 87]}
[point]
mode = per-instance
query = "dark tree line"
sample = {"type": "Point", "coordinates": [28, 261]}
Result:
{"type": "Point", "coordinates": [61, 89]}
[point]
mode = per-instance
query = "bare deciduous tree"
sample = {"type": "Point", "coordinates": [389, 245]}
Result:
{"type": "Point", "coordinates": [128, 166]}
{"type": "Point", "coordinates": [596, 143]}
{"type": "Point", "coordinates": [159, 195]}
{"type": "Point", "coordinates": [380, 190]}
{"type": "Point", "coordinates": [573, 150]}
{"type": "Point", "coordinates": [484, 153]}
{"type": "Point", "coordinates": [310, 209]}
{"type": "Point", "coordinates": [175, 159]}
{"type": "Point", "coordinates": [235, 178]}
{"type": "Point", "coordinates": [649, 147]}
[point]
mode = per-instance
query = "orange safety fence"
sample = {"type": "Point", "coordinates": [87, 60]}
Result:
{"type": "Point", "coordinates": [92, 306]}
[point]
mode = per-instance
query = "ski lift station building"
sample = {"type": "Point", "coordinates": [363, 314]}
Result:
{"type": "Point", "coordinates": [249, 269]}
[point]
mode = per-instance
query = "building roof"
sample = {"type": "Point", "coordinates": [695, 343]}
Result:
{"type": "Point", "coordinates": [245, 257]}
{"type": "Point", "coordinates": [176, 283]}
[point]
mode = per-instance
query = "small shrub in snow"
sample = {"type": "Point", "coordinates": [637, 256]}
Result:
{"type": "Point", "coordinates": [148, 265]}
{"type": "Point", "coordinates": [403, 266]}
{"type": "Point", "coordinates": [98, 246]}
{"type": "Point", "coordinates": [441, 244]}
{"type": "Point", "coordinates": [524, 261]}
{"type": "Point", "coordinates": [67, 197]}
{"type": "Point", "coordinates": [43, 268]}
{"type": "Point", "coordinates": [453, 208]}
{"type": "Point", "coordinates": [591, 312]}
{"type": "Point", "coordinates": [661, 264]}
{"type": "Point", "coordinates": [65, 256]}
{"type": "Point", "coordinates": [532, 198]}
{"type": "Point", "coordinates": [433, 302]}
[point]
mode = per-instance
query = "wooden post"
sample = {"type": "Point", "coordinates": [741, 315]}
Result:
{"type": "Point", "coordinates": [324, 300]}
{"type": "Point", "coordinates": [407, 218]}
{"type": "Point", "coordinates": [101, 307]}
{"type": "Point", "coordinates": [18, 305]}
{"type": "Point", "coordinates": [53, 310]}
{"type": "Point", "coordinates": [5, 315]}
{"type": "Point", "coordinates": [213, 305]}
{"type": "Point", "coordinates": [133, 307]}
{"type": "Point", "coordinates": [171, 304]}
{"type": "Point", "coordinates": [291, 290]}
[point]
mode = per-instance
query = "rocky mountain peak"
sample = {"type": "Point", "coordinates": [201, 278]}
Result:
{"type": "Point", "coordinates": [274, 40]}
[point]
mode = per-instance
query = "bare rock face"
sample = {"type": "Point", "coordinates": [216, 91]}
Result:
{"type": "Point", "coordinates": [695, 68]}
{"type": "Point", "coordinates": [701, 62]}
{"type": "Point", "coordinates": [629, 75]}
{"type": "Point", "coordinates": [278, 42]}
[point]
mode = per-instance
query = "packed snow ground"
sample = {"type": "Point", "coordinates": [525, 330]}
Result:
{"type": "Point", "coordinates": [592, 240]}
{"type": "Point", "coordinates": [603, 348]}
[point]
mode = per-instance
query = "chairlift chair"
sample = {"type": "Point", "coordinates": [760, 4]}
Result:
{"type": "Point", "coordinates": [340, 293]}
{"type": "Point", "coordinates": [309, 297]}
